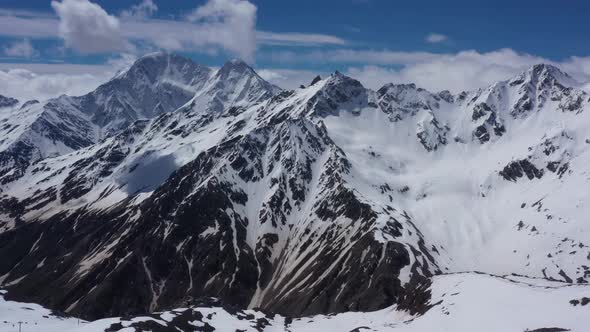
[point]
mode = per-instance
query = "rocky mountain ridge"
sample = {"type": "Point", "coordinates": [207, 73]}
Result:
{"type": "Point", "coordinates": [329, 198]}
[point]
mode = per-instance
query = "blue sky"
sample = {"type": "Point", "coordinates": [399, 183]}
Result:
{"type": "Point", "coordinates": [551, 29]}
{"type": "Point", "coordinates": [469, 43]}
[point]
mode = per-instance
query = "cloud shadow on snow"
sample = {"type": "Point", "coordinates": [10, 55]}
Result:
{"type": "Point", "coordinates": [147, 173]}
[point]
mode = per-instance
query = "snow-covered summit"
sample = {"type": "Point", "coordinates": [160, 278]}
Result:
{"type": "Point", "coordinates": [544, 72]}
{"type": "Point", "coordinates": [234, 84]}
{"type": "Point", "coordinates": [155, 84]}
{"type": "Point", "coordinates": [403, 100]}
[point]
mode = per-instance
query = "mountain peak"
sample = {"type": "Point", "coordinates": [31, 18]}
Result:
{"type": "Point", "coordinates": [397, 87]}
{"type": "Point", "coordinates": [237, 62]}
{"type": "Point", "coordinates": [158, 63]}
{"type": "Point", "coordinates": [338, 78]}
{"type": "Point", "coordinates": [237, 65]}
{"type": "Point", "coordinates": [545, 68]}
{"type": "Point", "coordinates": [154, 55]}
{"type": "Point", "coordinates": [236, 69]}
{"type": "Point", "coordinates": [543, 72]}
{"type": "Point", "coordinates": [235, 83]}
{"type": "Point", "coordinates": [7, 101]}
{"type": "Point", "coordinates": [336, 92]}
{"type": "Point", "coordinates": [315, 80]}
{"type": "Point", "coordinates": [155, 83]}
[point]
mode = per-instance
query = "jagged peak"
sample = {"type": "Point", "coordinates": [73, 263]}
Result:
{"type": "Point", "coordinates": [337, 78]}
{"type": "Point", "coordinates": [155, 64]}
{"type": "Point", "coordinates": [236, 65]}
{"type": "Point", "coordinates": [237, 62]}
{"type": "Point", "coordinates": [7, 101]}
{"type": "Point", "coordinates": [543, 72]}
{"type": "Point", "coordinates": [548, 69]}
{"type": "Point", "coordinates": [336, 84]}
{"type": "Point", "coordinates": [410, 92]}
{"type": "Point", "coordinates": [237, 70]}
{"type": "Point", "coordinates": [338, 75]}
{"type": "Point", "coordinates": [335, 92]}
{"type": "Point", "coordinates": [397, 87]}
{"type": "Point", "coordinates": [315, 80]}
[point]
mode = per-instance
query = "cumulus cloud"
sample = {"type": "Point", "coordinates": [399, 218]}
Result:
{"type": "Point", "coordinates": [21, 49]}
{"type": "Point", "coordinates": [229, 22]}
{"type": "Point", "coordinates": [217, 25]}
{"type": "Point", "coordinates": [87, 28]}
{"type": "Point", "coordinates": [434, 38]}
{"type": "Point", "coordinates": [141, 11]}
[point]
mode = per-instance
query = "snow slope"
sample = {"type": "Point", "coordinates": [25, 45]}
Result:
{"type": "Point", "coordinates": [459, 302]}
{"type": "Point", "coordinates": [33, 317]}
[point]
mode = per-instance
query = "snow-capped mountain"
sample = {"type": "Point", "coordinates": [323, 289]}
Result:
{"type": "Point", "coordinates": [327, 199]}
{"type": "Point", "coordinates": [154, 84]}
{"type": "Point", "coordinates": [7, 101]}
{"type": "Point", "coordinates": [235, 84]}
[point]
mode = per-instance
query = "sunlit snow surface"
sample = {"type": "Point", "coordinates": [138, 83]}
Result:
{"type": "Point", "coordinates": [461, 302]}
{"type": "Point", "coordinates": [33, 318]}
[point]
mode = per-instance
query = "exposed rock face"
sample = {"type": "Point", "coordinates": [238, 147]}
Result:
{"type": "Point", "coordinates": [518, 169]}
{"type": "Point", "coordinates": [7, 101]}
{"type": "Point", "coordinates": [487, 123]}
{"type": "Point", "coordinates": [337, 92]}
{"type": "Point", "coordinates": [431, 133]}
{"type": "Point", "coordinates": [402, 100]}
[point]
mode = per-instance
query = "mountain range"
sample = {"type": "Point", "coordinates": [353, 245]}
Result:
{"type": "Point", "coordinates": [174, 183]}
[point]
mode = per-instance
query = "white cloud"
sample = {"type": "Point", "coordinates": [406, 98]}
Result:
{"type": "Point", "coordinates": [434, 38]}
{"type": "Point", "coordinates": [232, 23]}
{"type": "Point", "coordinates": [21, 49]}
{"type": "Point", "coordinates": [466, 70]}
{"type": "Point", "coordinates": [25, 84]}
{"type": "Point", "coordinates": [141, 11]}
{"type": "Point", "coordinates": [383, 57]}
{"type": "Point", "coordinates": [87, 28]}
{"type": "Point", "coordinates": [297, 39]}
{"type": "Point", "coordinates": [217, 25]}
{"type": "Point", "coordinates": [41, 81]}
{"type": "Point", "coordinates": [16, 24]}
